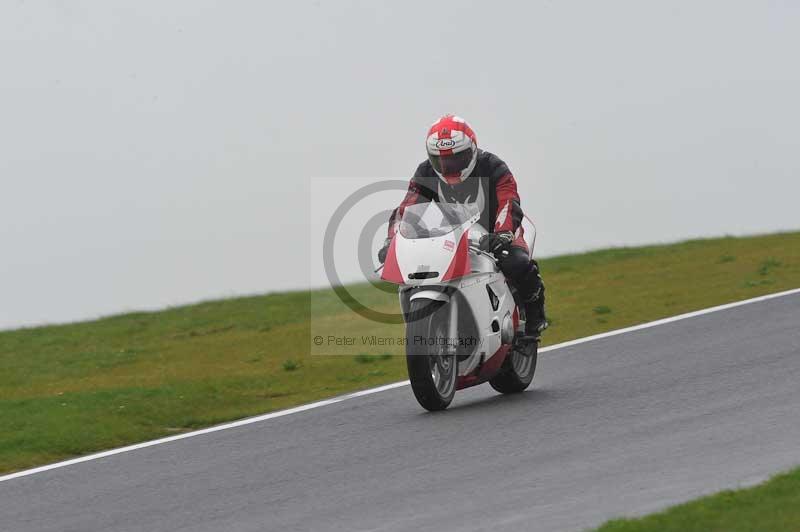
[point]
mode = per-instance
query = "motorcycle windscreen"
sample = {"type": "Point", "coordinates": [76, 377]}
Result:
{"type": "Point", "coordinates": [435, 219]}
{"type": "Point", "coordinates": [430, 246]}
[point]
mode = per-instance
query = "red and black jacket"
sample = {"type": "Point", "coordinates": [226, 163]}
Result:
{"type": "Point", "coordinates": [491, 184]}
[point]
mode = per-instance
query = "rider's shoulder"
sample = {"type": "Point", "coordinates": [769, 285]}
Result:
{"type": "Point", "coordinates": [425, 178]}
{"type": "Point", "coordinates": [491, 165]}
{"type": "Point", "coordinates": [425, 174]}
{"type": "Point", "coordinates": [424, 169]}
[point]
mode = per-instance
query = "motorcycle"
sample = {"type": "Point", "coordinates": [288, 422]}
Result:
{"type": "Point", "coordinates": [464, 323]}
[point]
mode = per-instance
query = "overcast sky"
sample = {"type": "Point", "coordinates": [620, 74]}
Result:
{"type": "Point", "coordinates": [154, 153]}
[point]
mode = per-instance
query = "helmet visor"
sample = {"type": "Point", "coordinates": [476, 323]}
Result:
{"type": "Point", "coordinates": [449, 165]}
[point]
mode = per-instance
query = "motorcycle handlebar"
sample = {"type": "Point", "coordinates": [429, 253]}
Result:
{"type": "Point", "coordinates": [478, 250]}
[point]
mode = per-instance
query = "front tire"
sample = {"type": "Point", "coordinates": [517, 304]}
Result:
{"type": "Point", "coordinates": [432, 371]}
{"type": "Point", "coordinates": [518, 368]}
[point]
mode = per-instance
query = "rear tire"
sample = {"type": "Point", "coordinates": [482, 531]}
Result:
{"type": "Point", "coordinates": [432, 371]}
{"type": "Point", "coordinates": [518, 368]}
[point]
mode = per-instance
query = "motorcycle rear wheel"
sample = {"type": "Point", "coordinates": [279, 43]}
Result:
{"type": "Point", "coordinates": [432, 371]}
{"type": "Point", "coordinates": [518, 369]}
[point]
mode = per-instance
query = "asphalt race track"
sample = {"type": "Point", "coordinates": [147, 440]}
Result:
{"type": "Point", "coordinates": [622, 425]}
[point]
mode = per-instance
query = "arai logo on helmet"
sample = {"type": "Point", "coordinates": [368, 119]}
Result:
{"type": "Point", "coordinates": [445, 144]}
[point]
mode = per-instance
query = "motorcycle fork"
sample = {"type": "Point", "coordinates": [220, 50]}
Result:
{"type": "Point", "coordinates": [452, 330]}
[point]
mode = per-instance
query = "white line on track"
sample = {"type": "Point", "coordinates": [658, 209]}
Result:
{"type": "Point", "coordinates": [664, 321]}
{"type": "Point", "coordinates": [333, 400]}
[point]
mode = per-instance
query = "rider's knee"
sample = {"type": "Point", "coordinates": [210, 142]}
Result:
{"type": "Point", "coordinates": [516, 264]}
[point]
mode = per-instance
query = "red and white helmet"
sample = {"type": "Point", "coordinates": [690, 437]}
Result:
{"type": "Point", "coordinates": [452, 148]}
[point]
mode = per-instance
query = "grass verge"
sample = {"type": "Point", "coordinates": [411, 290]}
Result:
{"type": "Point", "coordinates": [73, 389]}
{"type": "Point", "coordinates": [773, 506]}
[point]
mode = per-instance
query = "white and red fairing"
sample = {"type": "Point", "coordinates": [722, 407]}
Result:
{"type": "Point", "coordinates": [437, 252]}
{"type": "Point", "coordinates": [414, 261]}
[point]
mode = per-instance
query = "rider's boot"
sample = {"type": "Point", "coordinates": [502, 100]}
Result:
{"type": "Point", "coordinates": [524, 274]}
{"type": "Point", "coordinates": [535, 319]}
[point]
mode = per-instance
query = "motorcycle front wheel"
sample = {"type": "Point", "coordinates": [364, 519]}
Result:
{"type": "Point", "coordinates": [432, 371]}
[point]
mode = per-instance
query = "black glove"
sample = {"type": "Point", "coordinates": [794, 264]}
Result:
{"type": "Point", "coordinates": [496, 242]}
{"type": "Point", "coordinates": [384, 250]}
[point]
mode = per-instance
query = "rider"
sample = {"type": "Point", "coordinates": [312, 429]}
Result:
{"type": "Point", "coordinates": [457, 171]}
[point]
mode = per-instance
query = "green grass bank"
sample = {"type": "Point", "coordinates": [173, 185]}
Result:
{"type": "Point", "coordinates": [773, 506]}
{"type": "Point", "coordinates": [73, 389]}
